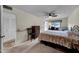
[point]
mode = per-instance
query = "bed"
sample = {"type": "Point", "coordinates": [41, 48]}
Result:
{"type": "Point", "coordinates": [63, 38]}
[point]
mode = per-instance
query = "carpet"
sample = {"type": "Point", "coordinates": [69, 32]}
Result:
{"type": "Point", "coordinates": [32, 47]}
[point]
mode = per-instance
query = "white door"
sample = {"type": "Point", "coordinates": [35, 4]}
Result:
{"type": "Point", "coordinates": [8, 26]}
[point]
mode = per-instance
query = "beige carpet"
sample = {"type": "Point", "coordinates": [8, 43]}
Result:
{"type": "Point", "coordinates": [20, 48]}
{"type": "Point", "coordinates": [9, 44]}
{"type": "Point", "coordinates": [40, 48]}
{"type": "Point", "coordinates": [32, 47]}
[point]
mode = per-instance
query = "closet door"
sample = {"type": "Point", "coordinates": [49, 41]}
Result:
{"type": "Point", "coordinates": [9, 26]}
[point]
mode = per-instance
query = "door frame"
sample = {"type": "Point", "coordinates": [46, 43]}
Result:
{"type": "Point", "coordinates": [0, 29]}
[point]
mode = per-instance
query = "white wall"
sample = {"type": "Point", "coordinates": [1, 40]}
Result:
{"type": "Point", "coordinates": [74, 18]}
{"type": "Point", "coordinates": [64, 22]}
{"type": "Point", "coordinates": [25, 20]}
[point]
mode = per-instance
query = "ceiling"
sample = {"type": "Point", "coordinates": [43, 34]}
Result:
{"type": "Point", "coordinates": [40, 10]}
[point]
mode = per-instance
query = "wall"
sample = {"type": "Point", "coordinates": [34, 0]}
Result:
{"type": "Point", "coordinates": [73, 19]}
{"type": "Point", "coordinates": [25, 20]}
{"type": "Point", "coordinates": [64, 22]}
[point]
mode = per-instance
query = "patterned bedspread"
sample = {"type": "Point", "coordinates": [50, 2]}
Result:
{"type": "Point", "coordinates": [63, 38]}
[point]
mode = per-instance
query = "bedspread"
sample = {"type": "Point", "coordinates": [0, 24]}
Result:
{"type": "Point", "coordinates": [65, 39]}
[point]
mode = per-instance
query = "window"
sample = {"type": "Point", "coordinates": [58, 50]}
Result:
{"type": "Point", "coordinates": [50, 24]}
{"type": "Point", "coordinates": [56, 23]}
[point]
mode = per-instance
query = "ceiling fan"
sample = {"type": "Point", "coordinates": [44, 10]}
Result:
{"type": "Point", "coordinates": [51, 13]}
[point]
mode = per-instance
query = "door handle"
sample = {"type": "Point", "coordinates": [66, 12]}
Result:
{"type": "Point", "coordinates": [2, 36]}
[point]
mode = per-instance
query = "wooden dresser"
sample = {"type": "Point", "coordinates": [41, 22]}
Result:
{"type": "Point", "coordinates": [33, 32]}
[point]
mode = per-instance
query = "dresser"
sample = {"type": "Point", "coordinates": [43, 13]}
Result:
{"type": "Point", "coordinates": [33, 32]}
